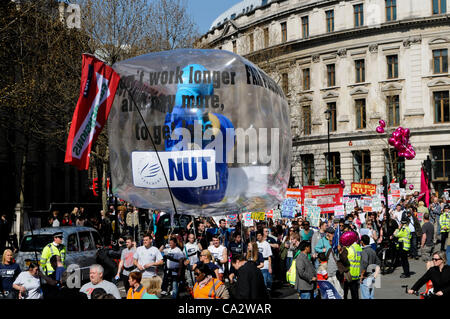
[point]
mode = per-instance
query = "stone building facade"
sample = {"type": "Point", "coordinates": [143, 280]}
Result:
{"type": "Point", "coordinates": [358, 61]}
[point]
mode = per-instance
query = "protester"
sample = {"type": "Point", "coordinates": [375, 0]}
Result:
{"type": "Point", "coordinates": [220, 255]}
{"type": "Point", "coordinates": [254, 255]}
{"type": "Point", "coordinates": [427, 244]}
{"type": "Point", "coordinates": [265, 249]}
{"type": "Point", "coordinates": [136, 290]}
{"type": "Point", "coordinates": [305, 272]}
{"type": "Point", "coordinates": [9, 270]}
{"type": "Point", "coordinates": [146, 259]}
{"type": "Point", "coordinates": [28, 283]}
{"type": "Point", "coordinates": [206, 258]}
{"type": "Point", "coordinates": [126, 264]}
{"type": "Point", "coordinates": [368, 258]}
{"type": "Point", "coordinates": [174, 258]}
{"type": "Point", "coordinates": [350, 256]}
{"type": "Point", "coordinates": [208, 287]}
{"type": "Point", "coordinates": [96, 281]}
{"type": "Point", "coordinates": [154, 288]}
{"type": "Point", "coordinates": [250, 281]}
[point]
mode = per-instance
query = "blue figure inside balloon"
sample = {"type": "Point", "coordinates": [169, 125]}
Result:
{"type": "Point", "coordinates": [197, 119]}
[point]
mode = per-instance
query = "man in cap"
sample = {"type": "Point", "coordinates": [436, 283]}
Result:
{"type": "Point", "coordinates": [55, 248]}
{"type": "Point", "coordinates": [403, 234]}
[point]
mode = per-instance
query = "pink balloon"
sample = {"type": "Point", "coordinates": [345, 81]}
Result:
{"type": "Point", "coordinates": [411, 187]}
{"type": "Point", "coordinates": [391, 141]}
{"type": "Point", "coordinates": [395, 135]}
{"type": "Point", "coordinates": [342, 182]}
{"type": "Point", "coordinates": [405, 181]}
{"type": "Point", "coordinates": [382, 123]}
{"type": "Point", "coordinates": [380, 129]}
{"type": "Point", "coordinates": [402, 154]}
{"type": "Point", "coordinates": [397, 144]}
{"type": "Point", "coordinates": [407, 132]}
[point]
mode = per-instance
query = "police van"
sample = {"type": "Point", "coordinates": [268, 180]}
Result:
{"type": "Point", "coordinates": [81, 246]}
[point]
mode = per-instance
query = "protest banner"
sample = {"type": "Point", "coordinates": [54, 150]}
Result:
{"type": "Point", "coordinates": [294, 193]}
{"type": "Point", "coordinates": [232, 219]}
{"type": "Point", "coordinates": [248, 221]}
{"type": "Point", "coordinates": [327, 196]}
{"type": "Point", "coordinates": [363, 189]}
{"type": "Point", "coordinates": [269, 214]}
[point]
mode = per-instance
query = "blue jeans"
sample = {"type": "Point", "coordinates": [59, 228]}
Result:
{"type": "Point", "coordinates": [305, 294]}
{"type": "Point", "coordinates": [174, 288]}
{"type": "Point", "coordinates": [366, 292]}
{"type": "Point", "coordinates": [447, 252]}
{"type": "Point", "coordinates": [267, 278]}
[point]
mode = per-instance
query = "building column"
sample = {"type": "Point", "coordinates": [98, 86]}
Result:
{"type": "Point", "coordinates": [377, 166]}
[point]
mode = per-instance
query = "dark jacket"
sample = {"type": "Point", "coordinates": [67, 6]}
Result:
{"type": "Point", "coordinates": [250, 283]}
{"type": "Point", "coordinates": [440, 280]}
{"type": "Point", "coordinates": [304, 273]}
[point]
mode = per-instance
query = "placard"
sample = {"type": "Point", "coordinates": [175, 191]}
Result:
{"type": "Point", "coordinates": [363, 189]}
{"type": "Point", "coordinates": [269, 214]}
{"type": "Point", "coordinates": [312, 214]}
{"type": "Point", "coordinates": [288, 208]}
{"type": "Point", "coordinates": [327, 196]}
{"type": "Point", "coordinates": [259, 215]}
{"type": "Point", "coordinates": [339, 211]}
{"type": "Point", "coordinates": [276, 214]}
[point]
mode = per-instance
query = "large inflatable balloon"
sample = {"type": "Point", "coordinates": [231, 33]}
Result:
{"type": "Point", "coordinates": [208, 123]}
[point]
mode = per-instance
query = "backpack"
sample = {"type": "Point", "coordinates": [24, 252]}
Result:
{"type": "Point", "coordinates": [292, 273]}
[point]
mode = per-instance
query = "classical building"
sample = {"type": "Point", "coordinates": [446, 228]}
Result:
{"type": "Point", "coordinates": [355, 62]}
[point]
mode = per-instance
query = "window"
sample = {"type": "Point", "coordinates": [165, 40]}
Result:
{"type": "Point", "coordinates": [86, 241]}
{"type": "Point", "coordinates": [360, 113]}
{"type": "Point", "coordinates": [285, 82]}
{"type": "Point", "coordinates": [360, 71]}
{"type": "Point", "coordinates": [72, 243]}
{"type": "Point", "coordinates": [283, 32]}
{"type": "Point", "coordinates": [333, 162]}
{"type": "Point", "coordinates": [392, 64]}
{"type": "Point", "coordinates": [306, 79]}
{"type": "Point", "coordinates": [308, 169]}
{"type": "Point", "coordinates": [439, 6]}
{"type": "Point", "coordinates": [97, 239]}
{"type": "Point", "coordinates": [441, 107]}
{"type": "Point", "coordinates": [307, 120]}
{"type": "Point", "coordinates": [440, 162]}
{"type": "Point", "coordinates": [234, 46]}
{"type": "Point", "coordinates": [393, 110]}
{"type": "Point", "coordinates": [361, 166]}
{"type": "Point", "coordinates": [331, 75]}
{"type": "Point", "coordinates": [251, 42]}
{"type": "Point", "coordinates": [440, 61]}
{"type": "Point", "coordinates": [359, 15]}
{"type": "Point", "coordinates": [391, 10]}
{"type": "Point", "coordinates": [333, 122]}
{"type": "Point", "coordinates": [398, 166]}
{"type": "Point", "coordinates": [266, 37]}
{"type": "Point", "coordinates": [305, 27]}
{"type": "Point", "coordinates": [330, 20]}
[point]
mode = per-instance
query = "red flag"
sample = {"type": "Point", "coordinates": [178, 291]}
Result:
{"type": "Point", "coordinates": [98, 87]}
{"type": "Point", "coordinates": [424, 186]}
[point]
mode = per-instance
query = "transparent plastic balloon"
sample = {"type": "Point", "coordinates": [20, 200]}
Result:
{"type": "Point", "coordinates": [221, 133]}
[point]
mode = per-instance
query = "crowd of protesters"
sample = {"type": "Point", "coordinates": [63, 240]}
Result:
{"type": "Point", "coordinates": [221, 261]}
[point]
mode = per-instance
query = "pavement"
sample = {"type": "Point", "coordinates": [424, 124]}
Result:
{"type": "Point", "coordinates": [390, 285]}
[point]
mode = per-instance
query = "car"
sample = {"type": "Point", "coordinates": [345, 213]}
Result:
{"type": "Point", "coordinates": [81, 247]}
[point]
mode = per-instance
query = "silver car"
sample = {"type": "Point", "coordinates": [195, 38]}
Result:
{"type": "Point", "coordinates": [81, 246]}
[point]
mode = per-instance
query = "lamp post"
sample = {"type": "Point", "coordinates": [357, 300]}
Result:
{"type": "Point", "coordinates": [328, 116]}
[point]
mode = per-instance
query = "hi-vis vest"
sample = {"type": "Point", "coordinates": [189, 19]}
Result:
{"type": "Point", "coordinates": [354, 257]}
{"type": "Point", "coordinates": [444, 220]}
{"type": "Point", "coordinates": [136, 294]}
{"type": "Point", "coordinates": [48, 252]}
{"type": "Point", "coordinates": [207, 292]}
{"type": "Point", "coordinates": [291, 274]}
{"type": "Point", "coordinates": [404, 236]}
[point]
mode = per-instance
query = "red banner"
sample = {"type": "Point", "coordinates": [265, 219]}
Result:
{"type": "Point", "coordinates": [327, 196]}
{"type": "Point", "coordinates": [98, 87]}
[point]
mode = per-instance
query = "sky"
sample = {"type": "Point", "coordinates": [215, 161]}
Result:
{"type": "Point", "coordinates": [204, 12]}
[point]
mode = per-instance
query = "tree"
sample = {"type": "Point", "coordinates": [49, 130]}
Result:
{"type": "Point", "coordinates": [40, 66]}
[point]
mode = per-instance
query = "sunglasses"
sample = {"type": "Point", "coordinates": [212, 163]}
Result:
{"type": "Point", "coordinates": [60, 237]}
{"type": "Point", "coordinates": [436, 259]}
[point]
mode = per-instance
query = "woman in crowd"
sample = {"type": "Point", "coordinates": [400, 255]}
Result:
{"type": "Point", "coordinates": [28, 283]}
{"type": "Point", "coordinates": [154, 288]}
{"type": "Point", "coordinates": [208, 287]}
{"type": "Point", "coordinates": [9, 271]}
{"type": "Point", "coordinates": [254, 255]}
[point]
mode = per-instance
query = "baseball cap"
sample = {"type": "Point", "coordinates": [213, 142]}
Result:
{"type": "Point", "coordinates": [330, 230]}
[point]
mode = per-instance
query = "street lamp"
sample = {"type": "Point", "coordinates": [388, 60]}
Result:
{"type": "Point", "coordinates": [328, 116]}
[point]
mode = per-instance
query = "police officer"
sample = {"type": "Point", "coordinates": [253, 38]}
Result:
{"type": "Point", "coordinates": [54, 248]}
{"type": "Point", "coordinates": [444, 220]}
{"type": "Point", "coordinates": [403, 234]}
